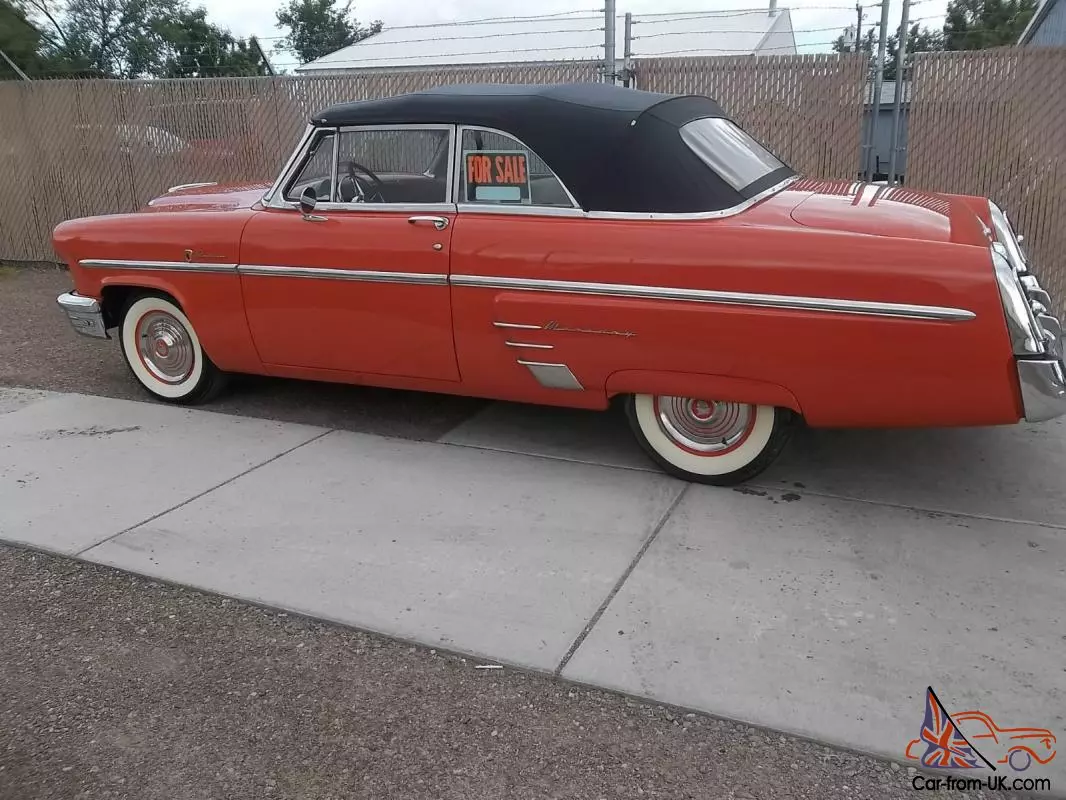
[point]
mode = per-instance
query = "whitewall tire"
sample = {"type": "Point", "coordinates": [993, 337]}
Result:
{"type": "Point", "coordinates": [164, 353]}
{"type": "Point", "coordinates": [706, 441]}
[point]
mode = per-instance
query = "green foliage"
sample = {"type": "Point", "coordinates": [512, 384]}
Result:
{"type": "Point", "coordinates": [122, 39]}
{"type": "Point", "coordinates": [978, 24]}
{"type": "Point", "coordinates": [319, 27]}
{"type": "Point", "coordinates": [919, 40]}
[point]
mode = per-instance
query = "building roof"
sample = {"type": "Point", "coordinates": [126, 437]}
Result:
{"type": "Point", "coordinates": [578, 37]}
{"type": "Point", "coordinates": [1042, 10]}
{"type": "Point", "coordinates": [615, 149]}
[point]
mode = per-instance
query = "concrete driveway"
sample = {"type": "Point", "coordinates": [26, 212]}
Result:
{"type": "Point", "coordinates": [821, 599]}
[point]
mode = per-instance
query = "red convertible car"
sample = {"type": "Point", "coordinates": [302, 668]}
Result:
{"type": "Point", "coordinates": [574, 244]}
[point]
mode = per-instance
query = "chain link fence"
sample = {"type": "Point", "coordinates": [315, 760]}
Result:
{"type": "Point", "coordinates": [993, 123]}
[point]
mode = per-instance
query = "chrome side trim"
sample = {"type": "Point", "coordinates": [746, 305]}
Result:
{"type": "Point", "coordinates": [368, 275]}
{"type": "Point", "coordinates": [520, 325]}
{"type": "Point", "coordinates": [822, 304]}
{"type": "Point", "coordinates": [85, 314]}
{"type": "Point", "coordinates": [553, 376]}
{"type": "Point", "coordinates": [725, 212]}
{"type": "Point", "coordinates": [156, 266]}
{"type": "Point", "coordinates": [1043, 384]}
{"type": "Point", "coordinates": [181, 186]}
{"type": "Point", "coordinates": [530, 344]}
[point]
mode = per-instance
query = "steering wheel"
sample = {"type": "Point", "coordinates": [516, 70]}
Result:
{"type": "Point", "coordinates": [374, 192]}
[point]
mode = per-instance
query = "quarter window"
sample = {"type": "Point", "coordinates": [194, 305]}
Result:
{"type": "Point", "coordinates": [497, 169]}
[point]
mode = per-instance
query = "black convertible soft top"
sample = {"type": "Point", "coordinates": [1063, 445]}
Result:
{"type": "Point", "coordinates": [615, 149]}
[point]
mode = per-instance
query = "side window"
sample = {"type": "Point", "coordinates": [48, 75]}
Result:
{"type": "Point", "coordinates": [393, 166]}
{"type": "Point", "coordinates": [316, 172]}
{"type": "Point", "coordinates": [497, 169]}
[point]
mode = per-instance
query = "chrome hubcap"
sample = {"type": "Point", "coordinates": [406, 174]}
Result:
{"type": "Point", "coordinates": [165, 347]}
{"type": "Point", "coordinates": [703, 425]}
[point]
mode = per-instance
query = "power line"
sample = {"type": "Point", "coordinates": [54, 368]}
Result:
{"type": "Point", "coordinates": [368, 43]}
{"type": "Point", "coordinates": [532, 17]}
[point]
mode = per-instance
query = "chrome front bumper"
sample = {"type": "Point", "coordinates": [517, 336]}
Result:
{"type": "Point", "coordinates": [85, 314]}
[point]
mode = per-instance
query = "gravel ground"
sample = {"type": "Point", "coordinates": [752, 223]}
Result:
{"type": "Point", "coordinates": [113, 686]}
{"type": "Point", "coordinates": [39, 350]}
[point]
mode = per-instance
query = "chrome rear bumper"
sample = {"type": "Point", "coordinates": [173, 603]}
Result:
{"type": "Point", "coordinates": [84, 313]}
{"type": "Point", "coordinates": [1043, 380]}
{"type": "Point", "coordinates": [1043, 385]}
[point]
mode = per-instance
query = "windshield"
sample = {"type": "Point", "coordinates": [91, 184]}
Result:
{"type": "Point", "coordinates": [737, 158]}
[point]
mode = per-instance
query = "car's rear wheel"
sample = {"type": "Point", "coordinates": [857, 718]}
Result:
{"type": "Point", "coordinates": [1020, 760]}
{"type": "Point", "coordinates": [716, 442]}
{"type": "Point", "coordinates": [164, 353]}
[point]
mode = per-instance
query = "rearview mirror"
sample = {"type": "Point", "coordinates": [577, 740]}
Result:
{"type": "Point", "coordinates": [308, 201]}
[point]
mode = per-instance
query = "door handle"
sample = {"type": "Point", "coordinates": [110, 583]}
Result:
{"type": "Point", "coordinates": [440, 223]}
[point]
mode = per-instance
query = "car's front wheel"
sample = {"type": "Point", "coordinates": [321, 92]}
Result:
{"type": "Point", "coordinates": [164, 353]}
{"type": "Point", "coordinates": [707, 441]}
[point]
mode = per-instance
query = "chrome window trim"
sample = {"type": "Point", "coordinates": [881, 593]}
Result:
{"type": "Point", "coordinates": [793, 303]}
{"type": "Point", "coordinates": [297, 153]}
{"type": "Point", "coordinates": [325, 273]}
{"type": "Point", "coordinates": [683, 215]}
{"type": "Point", "coordinates": [574, 205]}
{"type": "Point", "coordinates": [521, 211]}
{"type": "Point", "coordinates": [278, 200]}
{"type": "Point", "coordinates": [156, 266]}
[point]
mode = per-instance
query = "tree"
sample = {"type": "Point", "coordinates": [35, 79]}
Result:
{"type": "Point", "coordinates": [977, 24]}
{"type": "Point", "coordinates": [319, 27]}
{"type": "Point", "coordinates": [198, 49]}
{"type": "Point", "coordinates": [19, 39]}
{"type": "Point", "coordinates": [919, 40]}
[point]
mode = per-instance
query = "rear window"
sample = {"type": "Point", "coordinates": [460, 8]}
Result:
{"type": "Point", "coordinates": [737, 158]}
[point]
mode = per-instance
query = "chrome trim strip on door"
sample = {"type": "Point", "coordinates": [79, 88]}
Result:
{"type": "Point", "coordinates": [156, 266]}
{"type": "Point", "coordinates": [792, 303]}
{"type": "Point", "coordinates": [553, 376]}
{"type": "Point", "coordinates": [520, 325]}
{"type": "Point", "coordinates": [369, 275]}
{"type": "Point", "coordinates": [530, 344]}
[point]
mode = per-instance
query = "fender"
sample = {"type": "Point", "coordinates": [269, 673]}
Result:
{"type": "Point", "coordinates": [710, 387]}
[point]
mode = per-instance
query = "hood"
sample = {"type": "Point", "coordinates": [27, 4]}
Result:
{"type": "Point", "coordinates": [209, 197]}
{"type": "Point", "coordinates": [892, 211]}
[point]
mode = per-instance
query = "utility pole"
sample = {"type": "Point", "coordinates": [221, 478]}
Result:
{"type": "Point", "coordinates": [609, 14]}
{"type": "Point", "coordinates": [897, 99]}
{"type": "Point", "coordinates": [627, 52]}
{"type": "Point", "coordinates": [14, 66]}
{"type": "Point", "coordinates": [263, 55]}
{"type": "Point", "coordinates": [879, 79]}
{"type": "Point", "coordinates": [858, 27]}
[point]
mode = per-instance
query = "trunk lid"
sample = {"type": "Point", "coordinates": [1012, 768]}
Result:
{"type": "Point", "coordinates": [893, 211]}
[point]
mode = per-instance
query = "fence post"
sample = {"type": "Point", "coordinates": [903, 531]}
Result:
{"type": "Point", "coordinates": [897, 99]}
{"type": "Point", "coordinates": [879, 79]}
{"type": "Point", "coordinates": [609, 14]}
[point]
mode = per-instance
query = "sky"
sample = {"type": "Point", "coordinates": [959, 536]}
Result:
{"type": "Point", "coordinates": [816, 22]}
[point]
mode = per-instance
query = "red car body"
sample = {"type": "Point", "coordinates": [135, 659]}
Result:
{"type": "Point", "coordinates": [846, 304]}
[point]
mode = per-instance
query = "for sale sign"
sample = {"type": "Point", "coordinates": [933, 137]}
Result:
{"type": "Point", "coordinates": [496, 176]}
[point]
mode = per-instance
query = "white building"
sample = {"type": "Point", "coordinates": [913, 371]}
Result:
{"type": "Point", "coordinates": [565, 38]}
